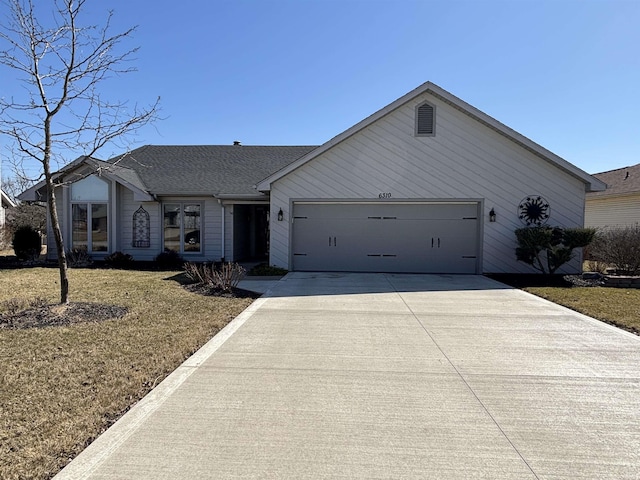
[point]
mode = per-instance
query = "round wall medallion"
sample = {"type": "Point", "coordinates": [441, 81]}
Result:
{"type": "Point", "coordinates": [534, 211]}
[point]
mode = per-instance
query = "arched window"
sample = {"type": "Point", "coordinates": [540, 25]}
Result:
{"type": "Point", "coordinates": [141, 229]}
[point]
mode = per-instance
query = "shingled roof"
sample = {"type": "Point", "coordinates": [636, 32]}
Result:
{"type": "Point", "coordinates": [621, 181]}
{"type": "Point", "coordinates": [207, 169]}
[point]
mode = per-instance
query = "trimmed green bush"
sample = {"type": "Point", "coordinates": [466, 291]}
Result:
{"type": "Point", "coordinates": [26, 243]}
{"type": "Point", "coordinates": [548, 248]}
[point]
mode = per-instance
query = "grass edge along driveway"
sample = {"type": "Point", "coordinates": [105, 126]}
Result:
{"type": "Point", "coordinates": [616, 306]}
{"type": "Point", "coordinates": [60, 387]}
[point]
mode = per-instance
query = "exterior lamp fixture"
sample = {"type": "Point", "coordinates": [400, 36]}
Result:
{"type": "Point", "coordinates": [492, 215]}
{"type": "Point", "coordinates": [280, 215]}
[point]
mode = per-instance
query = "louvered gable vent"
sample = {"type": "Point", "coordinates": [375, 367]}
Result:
{"type": "Point", "coordinates": [425, 119]}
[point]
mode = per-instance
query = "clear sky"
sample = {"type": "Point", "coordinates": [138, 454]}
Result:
{"type": "Point", "coordinates": [564, 73]}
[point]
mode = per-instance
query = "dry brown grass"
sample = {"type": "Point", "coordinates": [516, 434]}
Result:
{"type": "Point", "coordinates": [617, 306]}
{"type": "Point", "coordinates": [60, 387]}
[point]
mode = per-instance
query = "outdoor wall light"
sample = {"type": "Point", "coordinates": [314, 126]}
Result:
{"type": "Point", "coordinates": [280, 215]}
{"type": "Point", "coordinates": [492, 215]}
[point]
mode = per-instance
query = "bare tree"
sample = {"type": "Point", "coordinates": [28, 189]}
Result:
{"type": "Point", "coordinates": [14, 185]}
{"type": "Point", "coordinates": [62, 64]}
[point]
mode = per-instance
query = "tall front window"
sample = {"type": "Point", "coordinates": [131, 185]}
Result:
{"type": "Point", "coordinates": [90, 215]}
{"type": "Point", "coordinates": [182, 227]}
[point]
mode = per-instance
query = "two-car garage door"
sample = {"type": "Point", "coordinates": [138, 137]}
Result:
{"type": "Point", "coordinates": [421, 237]}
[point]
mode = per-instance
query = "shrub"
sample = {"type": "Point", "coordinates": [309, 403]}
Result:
{"type": "Point", "coordinates": [169, 260]}
{"type": "Point", "coordinates": [78, 258]}
{"type": "Point", "coordinates": [228, 276]}
{"type": "Point", "coordinates": [619, 248]}
{"type": "Point", "coordinates": [24, 214]}
{"type": "Point", "coordinates": [118, 260]}
{"type": "Point", "coordinates": [27, 244]}
{"type": "Point", "coordinates": [225, 277]}
{"type": "Point", "coordinates": [548, 248]}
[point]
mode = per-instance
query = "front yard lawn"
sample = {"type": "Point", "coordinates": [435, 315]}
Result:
{"type": "Point", "coordinates": [61, 386]}
{"type": "Point", "coordinates": [617, 306]}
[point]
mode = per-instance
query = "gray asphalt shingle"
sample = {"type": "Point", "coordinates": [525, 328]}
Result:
{"type": "Point", "coordinates": [619, 181]}
{"type": "Point", "coordinates": [207, 169]}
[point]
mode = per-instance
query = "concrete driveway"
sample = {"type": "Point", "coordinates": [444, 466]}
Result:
{"type": "Point", "coordinates": [389, 376]}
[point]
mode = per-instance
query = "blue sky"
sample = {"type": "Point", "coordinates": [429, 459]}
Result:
{"type": "Point", "coordinates": [566, 74]}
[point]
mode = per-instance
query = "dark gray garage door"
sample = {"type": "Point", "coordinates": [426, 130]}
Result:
{"type": "Point", "coordinates": [385, 237]}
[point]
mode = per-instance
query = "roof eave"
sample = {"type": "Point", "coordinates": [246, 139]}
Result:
{"type": "Point", "coordinates": [32, 194]}
{"type": "Point", "coordinates": [591, 183]}
{"type": "Point", "coordinates": [6, 200]}
{"type": "Point", "coordinates": [241, 196]}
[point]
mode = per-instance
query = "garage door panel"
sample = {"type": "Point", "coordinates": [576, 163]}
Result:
{"type": "Point", "coordinates": [429, 238]}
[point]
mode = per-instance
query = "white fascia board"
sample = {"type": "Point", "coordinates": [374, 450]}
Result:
{"type": "Point", "coordinates": [32, 194]}
{"type": "Point", "coordinates": [242, 196]}
{"type": "Point", "coordinates": [6, 200]}
{"type": "Point", "coordinates": [265, 185]}
{"type": "Point", "coordinates": [591, 183]}
{"type": "Point", "coordinates": [139, 195]}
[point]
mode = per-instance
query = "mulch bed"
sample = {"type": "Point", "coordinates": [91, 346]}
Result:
{"type": "Point", "coordinates": [538, 280]}
{"type": "Point", "coordinates": [208, 291]}
{"type": "Point", "coordinates": [57, 315]}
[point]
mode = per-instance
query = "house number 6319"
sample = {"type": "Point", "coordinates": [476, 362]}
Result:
{"type": "Point", "coordinates": [384, 195]}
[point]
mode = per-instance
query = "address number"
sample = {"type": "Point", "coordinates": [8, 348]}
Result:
{"type": "Point", "coordinates": [384, 195]}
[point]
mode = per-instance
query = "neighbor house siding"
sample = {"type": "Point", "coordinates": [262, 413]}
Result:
{"type": "Point", "coordinates": [465, 159]}
{"type": "Point", "coordinates": [612, 211]}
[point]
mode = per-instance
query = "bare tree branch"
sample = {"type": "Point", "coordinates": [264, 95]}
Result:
{"type": "Point", "coordinates": [61, 65]}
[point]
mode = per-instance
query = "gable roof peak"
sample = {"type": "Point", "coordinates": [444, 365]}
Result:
{"type": "Point", "coordinates": [591, 183]}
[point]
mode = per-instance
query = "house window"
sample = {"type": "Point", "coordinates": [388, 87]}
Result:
{"type": "Point", "coordinates": [425, 120]}
{"type": "Point", "coordinates": [90, 215]}
{"type": "Point", "coordinates": [182, 227]}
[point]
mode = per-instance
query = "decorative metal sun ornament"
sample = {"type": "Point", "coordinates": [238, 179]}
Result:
{"type": "Point", "coordinates": [534, 211]}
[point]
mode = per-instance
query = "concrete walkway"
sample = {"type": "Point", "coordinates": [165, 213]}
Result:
{"type": "Point", "coordinates": [389, 376]}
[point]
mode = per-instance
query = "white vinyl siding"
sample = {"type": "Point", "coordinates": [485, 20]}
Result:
{"type": "Point", "coordinates": [612, 211]}
{"type": "Point", "coordinates": [126, 208]}
{"type": "Point", "coordinates": [210, 223]}
{"type": "Point", "coordinates": [465, 160]}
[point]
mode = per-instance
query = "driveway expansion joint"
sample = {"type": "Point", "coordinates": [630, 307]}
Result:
{"type": "Point", "coordinates": [459, 374]}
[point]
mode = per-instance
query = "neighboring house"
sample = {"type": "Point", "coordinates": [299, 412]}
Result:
{"type": "Point", "coordinates": [427, 184]}
{"type": "Point", "coordinates": [5, 202]}
{"type": "Point", "coordinates": [619, 204]}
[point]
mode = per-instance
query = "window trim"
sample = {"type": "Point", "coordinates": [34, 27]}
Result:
{"type": "Point", "coordinates": [433, 120]}
{"type": "Point", "coordinates": [89, 205]}
{"type": "Point", "coordinates": [182, 204]}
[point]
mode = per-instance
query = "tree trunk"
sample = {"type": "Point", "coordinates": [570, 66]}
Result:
{"type": "Point", "coordinates": [53, 214]}
{"type": "Point", "coordinates": [57, 234]}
